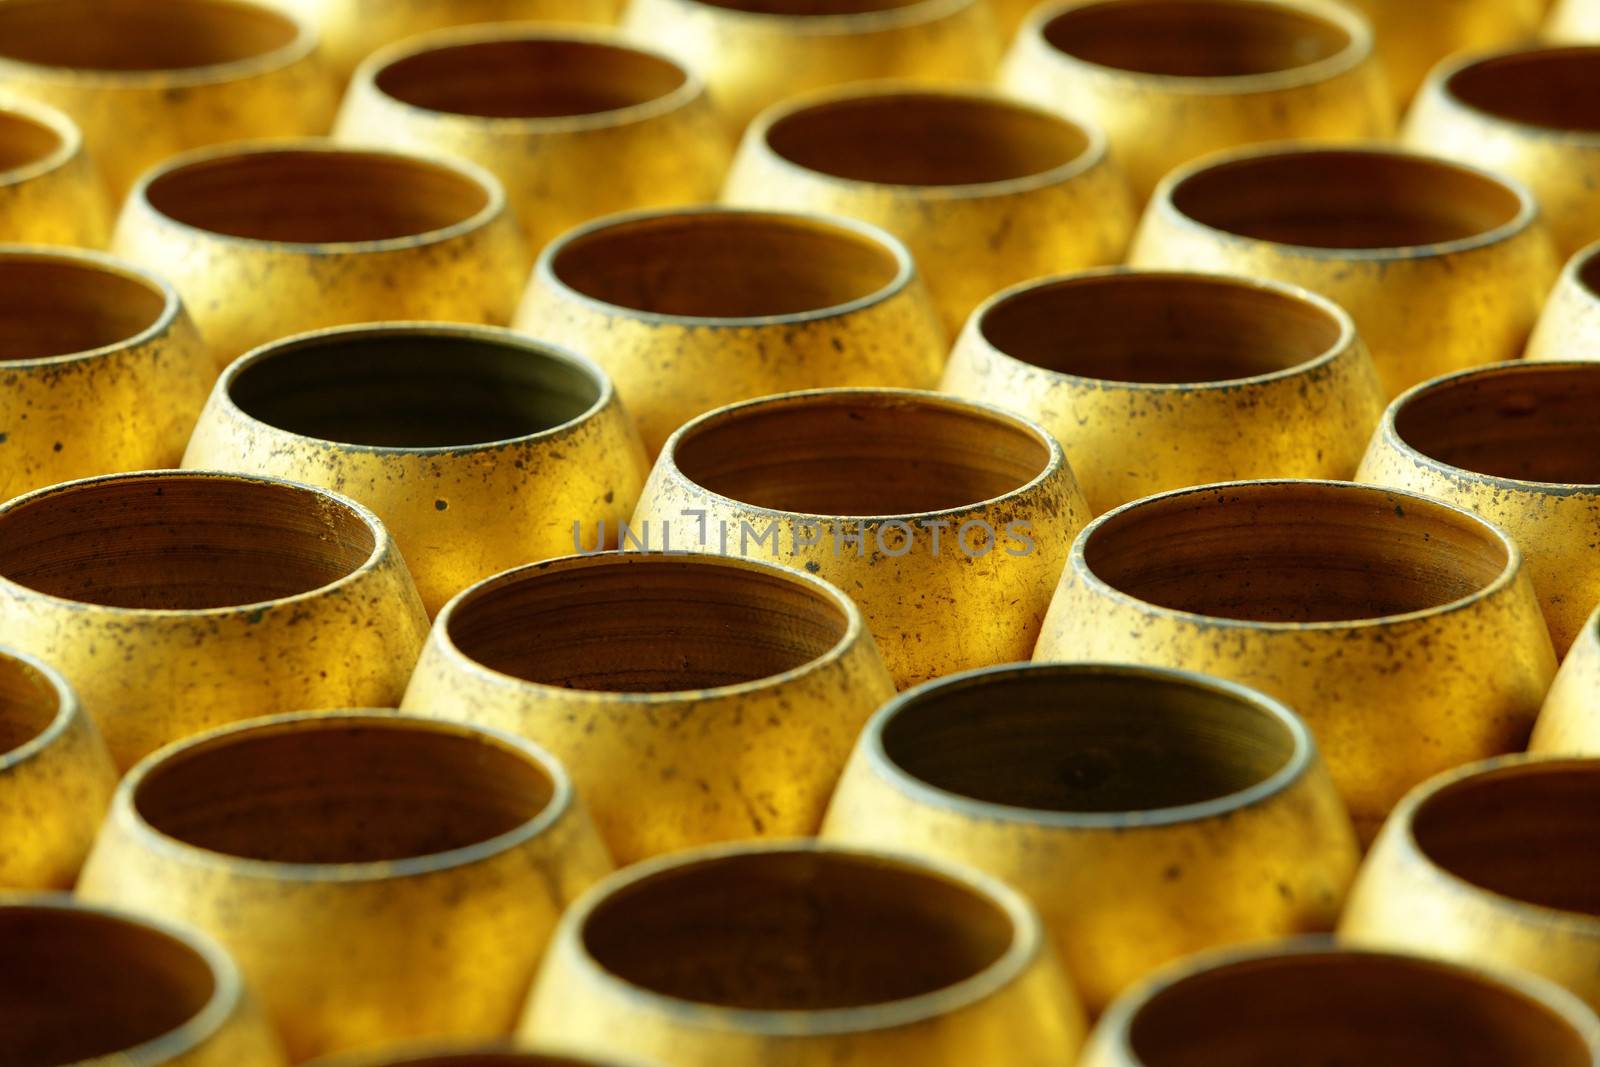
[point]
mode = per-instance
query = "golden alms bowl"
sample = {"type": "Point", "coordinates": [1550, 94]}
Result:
{"type": "Point", "coordinates": [1495, 864]}
{"type": "Point", "coordinates": [501, 1055]}
{"type": "Point", "coordinates": [379, 878]}
{"type": "Point", "coordinates": [145, 81]}
{"type": "Point", "coordinates": [1413, 35]}
{"type": "Point", "coordinates": [1173, 80]}
{"type": "Point", "coordinates": [947, 521]}
{"type": "Point", "coordinates": [1516, 443]}
{"type": "Point", "coordinates": [1532, 114]}
{"type": "Point", "coordinates": [1310, 1002]}
{"type": "Point", "coordinates": [689, 309]}
{"type": "Point", "coordinates": [1202, 377]}
{"type": "Point", "coordinates": [87, 985]}
{"type": "Point", "coordinates": [56, 777]}
{"type": "Point", "coordinates": [480, 449]}
{"type": "Point", "coordinates": [100, 368]}
{"type": "Point", "coordinates": [577, 123]}
{"type": "Point", "coordinates": [1370, 612]}
{"type": "Point", "coordinates": [1442, 266]}
{"type": "Point", "coordinates": [805, 954]}
{"type": "Point", "coordinates": [176, 601]}
{"type": "Point", "coordinates": [1569, 723]}
{"type": "Point", "coordinates": [1148, 814]}
{"type": "Point", "coordinates": [754, 53]}
{"type": "Point", "coordinates": [50, 193]}
{"type": "Point", "coordinates": [984, 190]}
{"type": "Point", "coordinates": [693, 698]}
{"type": "Point", "coordinates": [271, 238]}
{"type": "Point", "coordinates": [1569, 327]}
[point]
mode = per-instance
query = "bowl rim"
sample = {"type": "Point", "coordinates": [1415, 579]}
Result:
{"type": "Point", "coordinates": [69, 711]}
{"type": "Point", "coordinates": [900, 16]}
{"type": "Point", "coordinates": [58, 122]}
{"type": "Point", "coordinates": [89, 259]}
{"type": "Point", "coordinates": [1440, 86]}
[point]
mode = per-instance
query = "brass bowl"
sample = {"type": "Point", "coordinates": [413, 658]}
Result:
{"type": "Point", "coordinates": [984, 190]}
{"type": "Point", "coordinates": [1493, 864]}
{"type": "Point", "coordinates": [1569, 327]}
{"type": "Point", "coordinates": [460, 1056]}
{"type": "Point", "coordinates": [577, 124]}
{"type": "Point", "coordinates": [1573, 20]}
{"type": "Point", "coordinates": [692, 308]}
{"type": "Point", "coordinates": [88, 985]}
{"type": "Point", "coordinates": [268, 239]}
{"type": "Point", "coordinates": [805, 954]}
{"type": "Point", "coordinates": [946, 521]}
{"type": "Point", "coordinates": [1203, 377]}
{"type": "Point", "coordinates": [1370, 612]}
{"type": "Point", "coordinates": [101, 368]}
{"type": "Point", "coordinates": [754, 53]}
{"type": "Point", "coordinates": [1173, 80]}
{"type": "Point", "coordinates": [1532, 114]}
{"type": "Point", "coordinates": [1313, 1003]}
{"type": "Point", "coordinates": [1569, 723]}
{"type": "Point", "coordinates": [175, 601]}
{"type": "Point", "coordinates": [50, 193]}
{"type": "Point", "coordinates": [1413, 35]}
{"type": "Point", "coordinates": [478, 448]}
{"type": "Point", "coordinates": [1514, 443]}
{"type": "Point", "coordinates": [1443, 266]}
{"type": "Point", "coordinates": [1148, 814]}
{"type": "Point", "coordinates": [56, 777]}
{"type": "Point", "coordinates": [379, 878]}
{"type": "Point", "coordinates": [145, 81]}
{"type": "Point", "coordinates": [693, 698]}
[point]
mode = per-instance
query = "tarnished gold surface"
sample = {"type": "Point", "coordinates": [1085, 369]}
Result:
{"type": "Point", "coordinates": [175, 601]}
{"type": "Point", "coordinates": [100, 368]}
{"type": "Point", "coordinates": [1311, 1003]}
{"type": "Point", "coordinates": [577, 124]}
{"type": "Point", "coordinates": [145, 81]}
{"type": "Point", "coordinates": [1532, 114]}
{"type": "Point", "coordinates": [1569, 327]}
{"type": "Point", "coordinates": [1173, 80]}
{"type": "Point", "coordinates": [379, 878]}
{"type": "Point", "coordinates": [462, 1056]}
{"type": "Point", "coordinates": [984, 191]}
{"type": "Point", "coordinates": [947, 521]}
{"type": "Point", "coordinates": [1573, 20]}
{"type": "Point", "coordinates": [693, 308]}
{"type": "Point", "coordinates": [478, 448]}
{"type": "Point", "coordinates": [56, 776]}
{"type": "Point", "coordinates": [693, 698]}
{"type": "Point", "coordinates": [88, 985]}
{"type": "Point", "coordinates": [272, 238]}
{"type": "Point", "coordinates": [1405, 631]}
{"type": "Point", "coordinates": [804, 954]}
{"type": "Point", "coordinates": [50, 192]}
{"type": "Point", "coordinates": [1154, 380]}
{"type": "Point", "coordinates": [1413, 35]}
{"type": "Point", "coordinates": [1148, 814]}
{"type": "Point", "coordinates": [1494, 864]}
{"type": "Point", "coordinates": [1569, 723]}
{"type": "Point", "coordinates": [754, 53]}
{"type": "Point", "coordinates": [1441, 265]}
{"type": "Point", "coordinates": [1518, 444]}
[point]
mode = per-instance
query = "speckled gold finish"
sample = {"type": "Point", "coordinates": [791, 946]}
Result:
{"type": "Point", "coordinates": [1569, 327]}
{"type": "Point", "coordinates": [145, 81]}
{"type": "Point", "coordinates": [176, 601]}
{"type": "Point", "coordinates": [379, 878]}
{"type": "Point", "coordinates": [462, 1056]}
{"type": "Point", "coordinates": [100, 368]}
{"type": "Point", "coordinates": [477, 447]}
{"type": "Point", "coordinates": [1573, 20]}
{"type": "Point", "coordinates": [1532, 114]}
{"type": "Point", "coordinates": [1309, 1002]}
{"type": "Point", "coordinates": [754, 53]}
{"type": "Point", "coordinates": [1413, 35]}
{"type": "Point", "coordinates": [56, 776]}
{"type": "Point", "coordinates": [1442, 266]}
{"type": "Point", "coordinates": [1569, 723]}
{"type": "Point", "coordinates": [1493, 864]}
{"type": "Point", "coordinates": [985, 191]}
{"type": "Point", "coordinates": [268, 239]}
{"type": "Point", "coordinates": [804, 954]}
{"type": "Point", "coordinates": [1201, 377]}
{"type": "Point", "coordinates": [690, 309]}
{"type": "Point", "coordinates": [1173, 80]}
{"type": "Point", "coordinates": [1370, 612]}
{"type": "Point", "coordinates": [1516, 444]}
{"type": "Point", "coordinates": [1148, 814]}
{"type": "Point", "coordinates": [693, 698]}
{"type": "Point", "coordinates": [89, 985]}
{"type": "Point", "coordinates": [947, 521]}
{"type": "Point", "coordinates": [576, 123]}
{"type": "Point", "coordinates": [50, 193]}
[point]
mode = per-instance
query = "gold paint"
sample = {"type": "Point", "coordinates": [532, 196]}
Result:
{"type": "Point", "coordinates": [50, 192]}
{"type": "Point", "coordinates": [1569, 724]}
{"type": "Point", "coordinates": [498, 1055]}
{"type": "Point", "coordinates": [1413, 35]}
{"type": "Point", "coordinates": [1569, 328]}
{"type": "Point", "coordinates": [1573, 20]}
